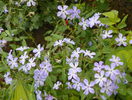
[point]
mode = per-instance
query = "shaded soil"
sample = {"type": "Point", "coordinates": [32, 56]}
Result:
{"type": "Point", "coordinates": [125, 8]}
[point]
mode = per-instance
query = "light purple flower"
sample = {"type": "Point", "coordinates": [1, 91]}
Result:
{"type": "Point", "coordinates": [121, 40]}
{"type": "Point", "coordinates": [62, 11]}
{"type": "Point", "coordinates": [22, 48]}
{"type": "Point", "coordinates": [111, 71]}
{"type": "Point", "coordinates": [49, 97]}
{"type": "Point", "coordinates": [8, 79]}
{"type": "Point", "coordinates": [76, 84]}
{"type": "Point", "coordinates": [76, 52]}
{"type": "Point", "coordinates": [58, 43]}
{"type": "Point", "coordinates": [130, 41]}
{"type": "Point", "coordinates": [31, 63]}
{"type": "Point", "coordinates": [100, 78]}
{"type": "Point", "coordinates": [107, 88]}
{"type": "Point", "coordinates": [93, 20]}
{"type": "Point", "coordinates": [24, 68]}
{"type": "Point", "coordinates": [72, 74]}
{"type": "Point", "coordinates": [75, 67]}
{"type": "Point", "coordinates": [23, 58]}
{"type": "Point", "coordinates": [38, 95]}
{"type": "Point", "coordinates": [68, 41]}
{"type": "Point", "coordinates": [31, 3]}
{"type": "Point", "coordinates": [74, 13]}
{"type": "Point", "coordinates": [12, 62]}
{"type": "Point", "coordinates": [116, 60]}
{"type": "Point", "coordinates": [39, 77]}
{"type": "Point", "coordinates": [107, 34]}
{"type": "Point", "coordinates": [84, 24]}
{"type": "Point", "coordinates": [69, 85]}
{"type": "Point", "coordinates": [98, 66]}
{"type": "Point", "coordinates": [57, 85]}
{"type": "Point", "coordinates": [71, 60]}
{"type": "Point", "coordinates": [38, 51]}
{"type": "Point", "coordinates": [88, 87]}
{"type": "Point", "coordinates": [90, 54]}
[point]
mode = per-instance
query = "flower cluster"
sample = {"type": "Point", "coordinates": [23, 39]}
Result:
{"type": "Point", "coordinates": [41, 74]}
{"type": "Point", "coordinates": [69, 14]}
{"type": "Point", "coordinates": [108, 76]}
{"type": "Point", "coordinates": [74, 13]}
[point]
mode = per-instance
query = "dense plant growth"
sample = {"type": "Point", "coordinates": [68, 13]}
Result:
{"type": "Point", "coordinates": [64, 50]}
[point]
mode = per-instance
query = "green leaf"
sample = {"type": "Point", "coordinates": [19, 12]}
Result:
{"type": "Point", "coordinates": [122, 24]}
{"type": "Point", "coordinates": [106, 21]}
{"type": "Point", "coordinates": [111, 14]}
{"type": "Point", "coordinates": [19, 93]}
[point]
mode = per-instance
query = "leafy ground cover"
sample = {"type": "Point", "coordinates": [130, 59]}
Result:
{"type": "Point", "coordinates": [65, 50]}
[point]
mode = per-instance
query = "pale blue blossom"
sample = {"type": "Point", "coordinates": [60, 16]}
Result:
{"type": "Point", "coordinates": [31, 63]}
{"type": "Point", "coordinates": [121, 40]}
{"type": "Point", "coordinates": [62, 11]}
{"type": "Point", "coordinates": [100, 78]}
{"type": "Point", "coordinates": [38, 51]}
{"type": "Point", "coordinates": [75, 67]}
{"type": "Point", "coordinates": [76, 84]}
{"type": "Point", "coordinates": [31, 3]}
{"type": "Point", "coordinates": [72, 74]}
{"type": "Point", "coordinates": [112, 72]}
{"type": "Point", "coordinates": [22, 48]}
{"type": "Point", "coordinates": [88, 87]}
{"type": "Point", "coordinates": [107, 34]}
{"type": "Point", "coordinates": [89, 54]}
{"type": "Point", "coordinates": [23, 58]}
{"type": "Point", "coordinates": [57, 85]}
{"type": "Point", "coordinates": [69, 85]}
{"type": "Point", "coordinates": [107, 88]}
{"type": "Point", "coordinates": [12, 62]}
{"type": "Point", "coordinates": [84, 23]}
{"type": "Point", "coordinates": [74, 13]}
{"type": "Point", "coordinates": [68, 41]}
{"type": "Point", "coordinates": [130, 41]}
{"type": "Point", "coordinates": [116, 60]}
{"type": "Point", "coordinates": [8, 79]}
{"type": "Point", "coordinates": [38, 95]}
{"type": "Point", "coordinates": [58, 43]}
{"type": "Point", "coordinates": [98, 66]}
